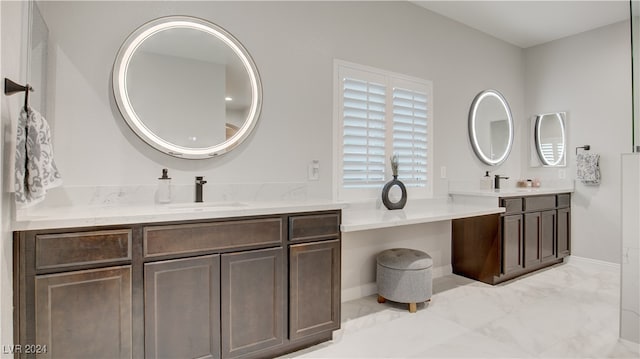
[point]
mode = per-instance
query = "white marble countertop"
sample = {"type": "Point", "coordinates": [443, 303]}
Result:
{"type": "Point", "coordinates": [511, 192]}
{"type": "Point", "coordinates": [83, 216]}
{"type": "Point", "coordinates": [362, 217]}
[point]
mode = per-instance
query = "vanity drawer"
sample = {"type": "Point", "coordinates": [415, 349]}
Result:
{"type": "Point", "coordinates": [207, 237]}
{"type": "Point", "coordinates": [539, 203]}
{"type": "Point", "coordinates": [564, 200]}
{"type": "Point", "coordinates": [82, 248]}
{"type": "Point", "coordinates": [512, 205]}
{"type": "Point", "coordinates": [316, 226]}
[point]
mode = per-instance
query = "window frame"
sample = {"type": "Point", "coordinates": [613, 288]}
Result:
{"type": "Point", "coordinates": [391, 79]}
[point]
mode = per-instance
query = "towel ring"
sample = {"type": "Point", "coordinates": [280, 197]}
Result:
{"type": "Point", "coordinates": [11, 88]}
{"type": "Point", "coordinates": [585, 147]}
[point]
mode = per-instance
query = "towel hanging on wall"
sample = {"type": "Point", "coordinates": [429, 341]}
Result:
{"type": "Point", "coordinates": [35, 168]}
{"type": "Point", "coordinates": [588, 165]}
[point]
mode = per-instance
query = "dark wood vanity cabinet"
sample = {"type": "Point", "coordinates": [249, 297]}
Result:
{"type": "Point", "coordinates": [314, 275]}
{"type": "Point", "coordinates": [234, 288]}
{"type": "Point", "coordinates": [534, 232]}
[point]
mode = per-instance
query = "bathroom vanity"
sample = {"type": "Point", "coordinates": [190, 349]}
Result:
{"type": "Point", "coordinates": [532, 233]}
{"type": "Point", "coordinates": [243, 286]}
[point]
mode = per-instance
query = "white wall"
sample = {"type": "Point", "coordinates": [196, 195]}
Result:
{"type": "Point", "coordinates": [13, 19]}
{"type": "Point", "coordinates": [294, 45]}
{"type": "Point", "coordinates": [588, 76]}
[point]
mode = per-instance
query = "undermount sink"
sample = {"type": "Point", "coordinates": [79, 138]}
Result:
{"type": "Point", "coordinates": [203, 206]}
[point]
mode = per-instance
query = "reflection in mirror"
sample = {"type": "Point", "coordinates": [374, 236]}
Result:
{"type": "Point", "coordinates": [491, 127]}
{"type": "Point", "coordinates": [187, 87]}
{"type": "Point", "coordinates": [550, 138]}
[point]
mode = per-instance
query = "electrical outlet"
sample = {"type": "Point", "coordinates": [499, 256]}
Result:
{"type": "Point", "coordinates": [561, 173]}
{"type": "Point", "coordinates": [443, 172]}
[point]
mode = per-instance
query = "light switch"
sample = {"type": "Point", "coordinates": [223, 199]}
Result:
{"type": "Point", "coordinates": [314, 170]}
{"type": "Point", "coordinates": [443, 172]}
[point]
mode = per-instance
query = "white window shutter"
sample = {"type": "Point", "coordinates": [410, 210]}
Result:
{"type": "Point", "coordinates": [363, 137]}
{"type": "Point", "coordinates": [410, 135]}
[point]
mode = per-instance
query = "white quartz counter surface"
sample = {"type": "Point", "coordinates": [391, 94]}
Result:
{"type": "Point", "coordinates": [511, 192]}
{"type": "Point", "coordinates": [83, 216]}
{"type": "Point", "coordinates": [360, 218]}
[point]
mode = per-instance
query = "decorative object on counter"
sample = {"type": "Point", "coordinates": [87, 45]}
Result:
{"type": "Point", "coordinates": [536, 183]}
{"type": "Point", "coordinates": [395, 182]}
{"type": "Point", "coordinates": [404, 275]}
{"type": "Point", "coordinates": [486, 182]}
{"type": "Point", "coordinates": [522, 183]}
{"type": "Point", "coordinates": [491, 129]}
{"type": "Point", "coordinates": [164, 187]}
{"type": "Point", "coordinates": [588, 165]}
{"type": "Point", "coordinates": [35, 167]}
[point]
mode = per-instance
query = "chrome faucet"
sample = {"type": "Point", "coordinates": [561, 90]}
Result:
{"type": "Point", "coordinates": [199, 183]}
{"type": "Point", "coordinates": [496, 181]}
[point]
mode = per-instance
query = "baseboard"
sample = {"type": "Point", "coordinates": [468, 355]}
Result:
{"type": "Point", "coordinates": [368, 289]}
{"type": "Point", "coordinates": [594, 263]}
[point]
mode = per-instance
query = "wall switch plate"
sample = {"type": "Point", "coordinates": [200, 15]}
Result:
{"type": "Point", "coordinates": [443, 172]}
{"type": "Point", "coordinates": [561, 173]}
{"type": "Point", "coordinates": [313, 170]}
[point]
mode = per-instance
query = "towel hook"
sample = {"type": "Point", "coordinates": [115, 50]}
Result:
{"type": "Point", "coordinates": [11, 88]}
{"type": "Point", "coordinates": [585, 147]}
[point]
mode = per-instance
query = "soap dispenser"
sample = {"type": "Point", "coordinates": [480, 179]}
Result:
{"type": "Point", "coordinates": [164, 187]}
{"type": "Point", "coordinates": [486, 182]}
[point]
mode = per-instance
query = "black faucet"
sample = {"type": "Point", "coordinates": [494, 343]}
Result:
{"type": "Point", "coordinates": [496, 181]}
{"type": "Point", "coordinates": [199, 183]}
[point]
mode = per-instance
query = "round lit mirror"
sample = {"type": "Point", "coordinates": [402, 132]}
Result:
{"type": "Point", "coordinates": [491, 127]}
{"type": "Point", "coordinates": [187, 87]}
{"type": "Point", "coordinates": [550, 137]}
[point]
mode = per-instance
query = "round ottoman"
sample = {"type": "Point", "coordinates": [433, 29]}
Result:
{"type": "Point", "coordinates": [404, 275]}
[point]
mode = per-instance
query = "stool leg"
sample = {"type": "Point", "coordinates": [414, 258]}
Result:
{"type": "Point", "coordinates": [381, 299]}
{"type": "Point", "coordinates": [412, 307]}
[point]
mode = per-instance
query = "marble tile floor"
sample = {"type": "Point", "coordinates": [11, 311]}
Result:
{"type": "Point", "coordinates": [568, 311]}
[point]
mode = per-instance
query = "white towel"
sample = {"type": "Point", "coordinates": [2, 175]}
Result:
{"type": "Point", "coordinates": [588, 168]}
{"type": "Point", "coordinates": [36, 171]}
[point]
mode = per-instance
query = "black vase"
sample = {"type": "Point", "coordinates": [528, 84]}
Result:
{"type": "Point", "coordinates": [385, 194]}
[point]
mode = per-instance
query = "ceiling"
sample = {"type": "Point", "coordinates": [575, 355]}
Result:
{"type": "Point", "coordinates": [530, 23]}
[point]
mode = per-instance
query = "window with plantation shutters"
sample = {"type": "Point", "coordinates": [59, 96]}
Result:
{"type": "Point", "coordinates": [379, 114]}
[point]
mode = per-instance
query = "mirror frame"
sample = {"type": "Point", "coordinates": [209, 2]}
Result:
{"type": "Point", "coordinates": [119, 83]}
{"type": "Point", "coordinates": [473, 138]}
{"type": "Point", "coordinates": [561, 162]}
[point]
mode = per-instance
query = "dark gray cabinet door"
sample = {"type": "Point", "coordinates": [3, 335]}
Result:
{"type": "Point", "coordinates": [563, 229]}
{"type": "Point", "coordinates": [182, 301]}
{"type": "Point", "coordinates": [84, 314]}
{"type": "Point", "coordinates": [314, 288]}
{"type": "Point", "coordinates": [512, 243]}
{"type": "Point", "coordinates": [547, 235]}
{"type": "Point", "coordinates": [532, 238]}
{"type": "Point", "coordinates": [253, 301]}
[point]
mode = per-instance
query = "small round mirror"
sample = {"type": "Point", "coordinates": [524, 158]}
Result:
{"type": "Point", "coordinates": [491, 127]}
{"type": "Point", "coordinates": [550, 137]}
{"type": "Point", "coordinates": [187, 87]}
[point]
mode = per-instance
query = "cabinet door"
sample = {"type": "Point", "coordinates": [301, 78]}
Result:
{"type": "Point", "coordinates": [511, 243]}
{"type": "Point", "coordinates": [84, 314]}
{"type": "Point", "coordinates": [182, 301]}
{"type": "Point", "coordinates": [548, 235]}
{"type": "Point", "coordinates": [563, 232]}
{"type": "Point", "coordinates": [314, 293]}
{"type": "Point", "coordinates": [253, 302]}
{"type": "Point", "coordinates": [532, 227]}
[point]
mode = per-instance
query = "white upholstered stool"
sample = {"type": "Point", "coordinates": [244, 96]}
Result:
{"type": "Point", "coordinates": [404, 275]}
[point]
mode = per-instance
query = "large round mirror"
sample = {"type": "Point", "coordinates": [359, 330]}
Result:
{"type": "Point", "coordinates": [550, 137]}
{"type": "Point", "coordinates": [491, 127]}
{"type": "Point", "coordinates": [187, 87]}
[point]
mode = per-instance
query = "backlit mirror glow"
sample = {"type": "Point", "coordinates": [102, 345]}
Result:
{"type": "Point", "coordinates": [491, 127]}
